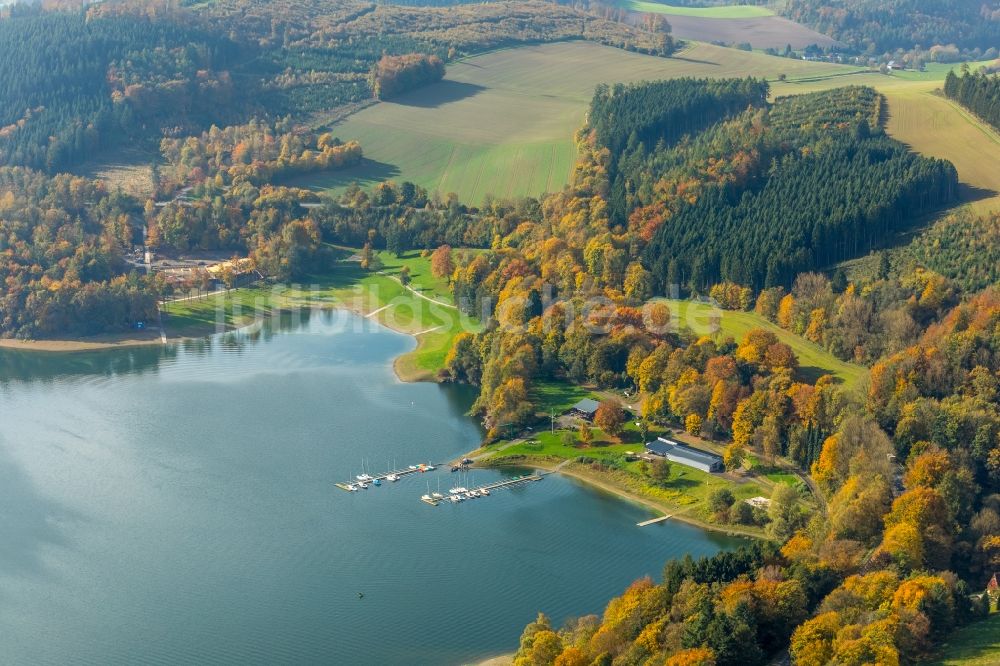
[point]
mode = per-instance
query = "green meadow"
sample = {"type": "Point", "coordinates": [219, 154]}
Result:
{"type": "Point", "coordinates": [720, 12]}
{"type": "Point", "coordinates": [502, 123]}
{"type": "Point", "coordinates": [814, 361]}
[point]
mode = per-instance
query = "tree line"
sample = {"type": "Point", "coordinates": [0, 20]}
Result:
{"type": "Point", "coordinates": [393, 75]}
{"type": "Point", "coordinates": [880, 26]}
{"type": "Point", "coordinates": [257, 152]}
{"type": "Point", "coordinates": [978, 92]}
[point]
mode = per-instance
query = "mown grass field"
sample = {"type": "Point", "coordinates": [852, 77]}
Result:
{"type": "Point", "coordinates": [814, 361]}
{"type": "Point", "coordinates": [720, 12]}
{"type": "Point", "coordinates": [975, 645]}
{"type": "Point", "coordinates": [502, 123]}
{"type": "Point", "coordinates": [378, 295]}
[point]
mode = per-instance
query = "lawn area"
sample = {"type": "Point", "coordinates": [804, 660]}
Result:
{"type": "Point", "coordinates": [685, 493]}
{"type": "Point", "coordinates": [814, 361]}
{"type": "Point", "coordinates": [345, 285]}
{"type": "Point", "coordinates": [502, 123]}
{"type": "Point", "coordinates": [975, 645]}
{"type": "Point", "coordinates": [557, 396]}
{"type": "Point", "coordinates": [718, 12]}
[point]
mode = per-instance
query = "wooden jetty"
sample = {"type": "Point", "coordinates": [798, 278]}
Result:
{"type": "Point", "coordinates": [652, 520]}
{"type": "Point", "coordinates": [399, 473]}
{"type": "Point", "coordinates": [498, 485]}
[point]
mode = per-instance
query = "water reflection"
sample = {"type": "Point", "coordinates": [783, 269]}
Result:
{"type": "Point", "coordinates": [35, 366]}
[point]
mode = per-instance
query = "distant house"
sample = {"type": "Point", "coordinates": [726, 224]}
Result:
{"type": "Point", "coordinates": [993, 587]}
{"type": "Point", "coordinates": [685, 455]}
{"type": "Point", "coordinates": [586, 408]}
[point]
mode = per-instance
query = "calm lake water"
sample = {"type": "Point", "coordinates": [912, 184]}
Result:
{"type": "Point", "coordinates": [177, 505]}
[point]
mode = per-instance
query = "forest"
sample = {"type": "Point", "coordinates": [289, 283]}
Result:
{"type": "Point", "coordinates": [796, 186]}
{"type": "Point", "coordinates": [978, 92]}
{"type": "Point", "coordinates": [393, 75]}
{"type": "Point", "coordinates": [61, 245]}
{"type": "Point", "coordinates": [256, 152]}
{"type": "Point", "coordinates": [881, 26]}
{"type": "Point", "coordinates": [75, 81]}
{"type": "Point", "coordinates": [906, 466]}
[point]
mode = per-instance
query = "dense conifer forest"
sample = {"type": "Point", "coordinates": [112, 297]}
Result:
{"type": "Point", "coordinates": [979, 93]}
{"type": "Point", "coordinates": [791, 188]}
{"type": "Point", "coordinates": [75, 82]}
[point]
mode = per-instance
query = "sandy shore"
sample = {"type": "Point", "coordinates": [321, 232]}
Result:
{"type": "Point", "coordinates": [502, 660]}
{"type": "Point", "coordinates": [96, 342]}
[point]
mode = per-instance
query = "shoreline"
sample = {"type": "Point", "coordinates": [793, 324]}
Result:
{"type": "Point", "coordinates": [629, 496]}
{"type": "Point", "coordinates": [109, 341]}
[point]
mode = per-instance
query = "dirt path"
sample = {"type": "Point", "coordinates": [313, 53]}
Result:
{"type": "Point", "coordinates": [417, 293]}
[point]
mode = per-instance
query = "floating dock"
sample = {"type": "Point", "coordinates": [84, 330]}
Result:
{"type": "Point", "coordinates": [489, 487]}
{"type": "Point", "coordinates": [652, 521]}
{"type": "Point", "coordinates": [399, 473]}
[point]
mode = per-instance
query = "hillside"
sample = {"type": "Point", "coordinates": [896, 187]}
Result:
{"type": "Point", "coordinates": [880, 26]}
{"type": "Point", "coordinates": [757, 25]}
{"type": "Point", "coordinates": [502, 123]}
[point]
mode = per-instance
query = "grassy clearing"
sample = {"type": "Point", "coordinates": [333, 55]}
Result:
{"type": "Point", "coordinates": [975, 645]}
{"type": "Point", "coordinates": [814, 361]}
{"type": "Point", "coordinates": [557, 396]}
{"type": "Point", "coordinates": [127, 168]}
{"type": "Point", "coordinates": [720, 12]}
{"type": "Point", "coordinates": [502, 123]}
{"type": "Point", "coordinates": [346, 285]}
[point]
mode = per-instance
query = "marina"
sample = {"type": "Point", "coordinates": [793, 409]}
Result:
{"type": "Point", "coordinates": [460, 493]}
{"type": "Point", "coordinates": [364, 480]}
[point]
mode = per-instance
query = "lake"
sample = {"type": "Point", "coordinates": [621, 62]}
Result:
{"type": "Point", "coordinates": [177, 504]}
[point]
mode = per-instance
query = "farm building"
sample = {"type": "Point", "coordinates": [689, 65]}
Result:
{"type": "Point", "coordinates": [685, 455]}
{"type": "Point", "coordinates": [586, 408]}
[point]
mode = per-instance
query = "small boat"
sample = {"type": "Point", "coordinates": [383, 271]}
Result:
{"type": "Point", "coordinates": [454, 468]}
{"type": "Point", "coordinates": [437, 495]}
{"type": "Point", "coordinates": [413, 466]}
{"type": "Point", "coordinates": [429, 467]}
{"type": "Point", "coordinates": [363, 486]}
{"type": "Point", "coordinates": [455, 499]}
{"type": "Point", "coordinates": [426, 498]}
{"type": "Point", "coordinates": [351, 487]}
{"type": "Point", "coordinates": [392, 477]}
{"type": "Point", "coordinates": [363, 478]}
{"type": "Point", "coordinates": [378, 482]}
{"type": "Point", "coordinates": [469, 496]}
{"type": "Point", "coordinates": [485, 491]}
